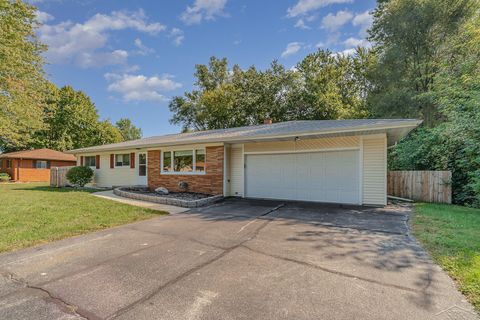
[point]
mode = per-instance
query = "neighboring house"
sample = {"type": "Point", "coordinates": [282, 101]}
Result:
{"type": "Point", "coordinates": [339, 161]}
{"type": "Point", "coordinates": [33, 165]}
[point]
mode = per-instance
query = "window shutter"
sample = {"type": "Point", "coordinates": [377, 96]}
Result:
{"type": "Point", "coordinates": [97, 161]}
{"type": "Point", "coordinates": [81, 161]}
{"type": "Point", "coordinates": [132, 160]}
{"type": "Point", "coordinates": [48, 164]}
{"type": "Point", "coordinates": [35, 164]}
{"type": "Point", "coordinates": [112, 161]}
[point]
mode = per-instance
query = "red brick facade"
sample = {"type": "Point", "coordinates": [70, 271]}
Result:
{"type": "Point", "coordinates": [211, 182]}
{"type": "Point", "coordinates": [24, 170]}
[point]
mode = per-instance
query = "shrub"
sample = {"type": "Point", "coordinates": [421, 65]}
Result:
{"type": "Point", "coordinates": [4, 177]}
{"type": "Point", "coordinates": [80, 176]}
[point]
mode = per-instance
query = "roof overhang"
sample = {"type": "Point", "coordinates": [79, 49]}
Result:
{"type": "Point", "coordinates": [394, 133]}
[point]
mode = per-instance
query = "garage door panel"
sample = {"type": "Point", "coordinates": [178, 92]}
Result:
{"type": "Point", "coordinates": [315, 176]}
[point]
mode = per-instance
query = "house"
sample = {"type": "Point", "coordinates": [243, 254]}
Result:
{"type": "Point", "coordinates": [339, 161]}
{"type": "Point", "coordinates": [33, 165]}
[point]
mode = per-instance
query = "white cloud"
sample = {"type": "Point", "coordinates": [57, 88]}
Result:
{"type": "Point", "coordinates": [143, 50]}
{"type": "Point", "coordinates": [346, 52]}
{"type": "Point", "coordinates": [320, 45]}
{"type": "Point", "coordinates": [81, 43]}
{"type": "Point", "coordinates": [355, 42]}
{"type": "Point", "coordinates": [301, 24]}
{"type": "Point", "coordinates": [364, 21]}
{"type": "Point", "coordinates": [177, 36]}
{"type": "Point", "coordinates": [140, 87]}
{"type": "Point", "coordinates": [305, 6]}
{"type": "Point", "coordinates": [333, 22]}
{"type": "Point", "coordinates": [203, 10]}
{"type": "Point", "coordinates": [43, 17]}
{"type": "Point", "coordinates": [291, 49]}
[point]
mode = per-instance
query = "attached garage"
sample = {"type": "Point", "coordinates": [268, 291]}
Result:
{"type": "Point", "coordinates": [329, 176]}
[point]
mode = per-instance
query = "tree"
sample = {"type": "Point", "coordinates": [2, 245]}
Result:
{"type": "Point", "coordinates": [408, 36]}
{"type": "Point", "coordinates": [322, 86]}
{"type": "Point", "coordinates": [128, 130]}
{"type": "Point", "coordinates": [21, 75]}
{"type": "Point", "coordinates": [72, 121]}
{"type": "Point", "coordinates": [454, 144]}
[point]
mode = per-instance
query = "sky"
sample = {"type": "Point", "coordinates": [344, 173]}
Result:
{"type": "Point", "coordinates": [132, 57]}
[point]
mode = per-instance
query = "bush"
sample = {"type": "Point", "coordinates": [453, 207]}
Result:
{"type": "Point", "coordinates": [80, 176]}
{"type": "Point", "coordinates": [4, 177]}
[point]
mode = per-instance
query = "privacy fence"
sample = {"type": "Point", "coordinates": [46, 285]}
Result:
{"type": "Point", "coordinates": [426, 186]}
{"type": "Point", "coordinates": [58, 176]}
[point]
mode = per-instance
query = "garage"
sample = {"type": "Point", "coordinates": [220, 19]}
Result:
{"type": "Point", "coordinates": [331, 176]}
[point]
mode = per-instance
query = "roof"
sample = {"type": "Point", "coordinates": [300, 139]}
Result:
{"type": "Point", "coordinates": [39, 154]}
{"type": "Point", "coordinates": [261, 132]}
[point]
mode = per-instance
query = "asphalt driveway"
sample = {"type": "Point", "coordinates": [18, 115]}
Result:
{"type": "Point", "coordinates": [235, 260]}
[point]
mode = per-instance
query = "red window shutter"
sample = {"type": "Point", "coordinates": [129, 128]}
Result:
{"type": "Point", "coordinates": [112, 161]}
{"type": "Point", "coordinates": [97, 162]}
{"type": "Point", "coordinates": [81, 161]}
{"type": "Point", "coordinates": [132, 160]}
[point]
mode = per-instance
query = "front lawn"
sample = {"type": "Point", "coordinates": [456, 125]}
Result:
{"type": "Point", "coordinates": [452, 236]}
{"type": "Point", "coordinates": [35, 213]}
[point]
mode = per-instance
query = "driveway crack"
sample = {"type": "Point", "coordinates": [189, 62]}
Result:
{"type": "Point", "coordinates": [62, 304]}
{"type": "Point", "coordinates": [197, 268]}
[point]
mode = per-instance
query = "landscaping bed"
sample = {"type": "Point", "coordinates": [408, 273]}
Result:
{"type": "Point", "coordinates": [180, 199]}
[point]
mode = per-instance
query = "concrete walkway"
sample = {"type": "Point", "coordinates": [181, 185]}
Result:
{"type": "Point", "coordinates": [144, 204]}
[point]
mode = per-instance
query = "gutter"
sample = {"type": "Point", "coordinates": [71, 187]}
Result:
{"type": "Point", "coordinates": [413, 124]}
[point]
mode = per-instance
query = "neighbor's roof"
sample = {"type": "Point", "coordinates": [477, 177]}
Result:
{"type": "Point", "coordinates": [39, 154]}
{"type": "Point", "coordinates": [261, 132]}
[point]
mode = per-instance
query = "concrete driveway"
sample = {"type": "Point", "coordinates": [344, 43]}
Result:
{"type": "Point", "coordinates": [236, 260]}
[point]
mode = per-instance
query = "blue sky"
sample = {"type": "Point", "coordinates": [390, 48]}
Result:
{"type": "Point", "coordinates": [131, 57]}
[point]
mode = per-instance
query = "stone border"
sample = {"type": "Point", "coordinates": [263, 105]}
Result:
{"type": "Point", "coordinates": [169, 201]}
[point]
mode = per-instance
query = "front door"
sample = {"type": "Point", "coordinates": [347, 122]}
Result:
{"type": "Point", "coordinates": [142, 169]}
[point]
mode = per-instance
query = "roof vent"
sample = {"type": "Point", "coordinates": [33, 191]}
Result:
{"type": "Point", "coordinates": [267, 121]}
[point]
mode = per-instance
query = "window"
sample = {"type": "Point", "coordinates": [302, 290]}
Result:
{"type": "Point", "coordinates": [200, 160]}
{"type": "Point", "coordinates": [183, 161]}
{"type": "Point", "coordinates": [122, 160]}
{"type": "Point", "coordinates": [142, 164]}
{"type": "Point", "coordinates": [167, 161]}
{"type": "Point", "coordinates": [9, 163]}
{"type": "Point", "coordinates": [90, 161]}
{"type": "Point", "coordinates": [41, 164]}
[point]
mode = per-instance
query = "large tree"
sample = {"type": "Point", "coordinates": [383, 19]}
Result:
{"type": "Point", "coordinates": [322, 86]}
{"type": "Point", "coordinates": [408, 37]}
{"type": "Point", "coordinates": [72, 121]}
{"type": "Point", "coordinates": [21, 75]}
{"type": "Point", "coordinates": [128, 130]}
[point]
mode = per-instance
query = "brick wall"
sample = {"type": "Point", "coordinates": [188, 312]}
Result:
{"type": "Point", "coordinates": [27, 172]}
{"type": "Point", "coordinates": [211, 182]}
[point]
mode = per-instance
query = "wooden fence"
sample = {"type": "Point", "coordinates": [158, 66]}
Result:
{"type": "Point", "coordinates": [427, 186]}
{"type": "Point", "coordinates": [58, 176]}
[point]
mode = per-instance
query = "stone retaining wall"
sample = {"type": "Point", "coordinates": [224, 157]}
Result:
{"type": "Point", "coordinates": [169, 201]}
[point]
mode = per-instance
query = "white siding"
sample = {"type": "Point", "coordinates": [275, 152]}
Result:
{"type": "Point", "coordinates": [375, 170]}
{"type": "Point", "coordinates": [118, 176]}
{"type": "Point", "coordinates": [303, 145]}
{"type": "Point", "coordinates": [236, 171]}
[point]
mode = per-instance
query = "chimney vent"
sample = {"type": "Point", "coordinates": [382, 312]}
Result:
{"type": "Point", "coordinates": [267, 121]}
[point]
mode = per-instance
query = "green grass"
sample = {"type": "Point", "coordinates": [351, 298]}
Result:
{"type": "Point", "coordinates": [35, 213]}
{"type": "Point", "coordinates": [452, 236]}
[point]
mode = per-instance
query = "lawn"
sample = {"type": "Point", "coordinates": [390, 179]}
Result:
{"type": "Point", "coordinates": [452, 236]}
{"type": "Point", "coordinates": [35, 213]}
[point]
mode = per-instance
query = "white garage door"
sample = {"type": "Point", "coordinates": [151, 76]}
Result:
{"type": "Point", "coordinates": [315, 176]}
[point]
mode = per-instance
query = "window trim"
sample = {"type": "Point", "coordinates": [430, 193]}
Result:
{"type": "Point", "coordinates": [41, 168]}
{"type": "Point", "coordinates": [194, 155]}
{"type": "Point", "coordinates": [85, 161]}
{"type": "Point", "coordinates": [123, 165]}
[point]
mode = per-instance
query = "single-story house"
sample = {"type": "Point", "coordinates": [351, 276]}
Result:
{"type": "Point", "coordinates": [33, 165]}
{"type": "Point", "coordinates": [339, 161]}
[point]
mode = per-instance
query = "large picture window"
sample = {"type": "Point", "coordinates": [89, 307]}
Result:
{"type": "Point", "coordinates": [90, 161]}
{"type": "Point", "coordinates": [122, 160]}
{"type": "Point", "coordinates": [183, 161]}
